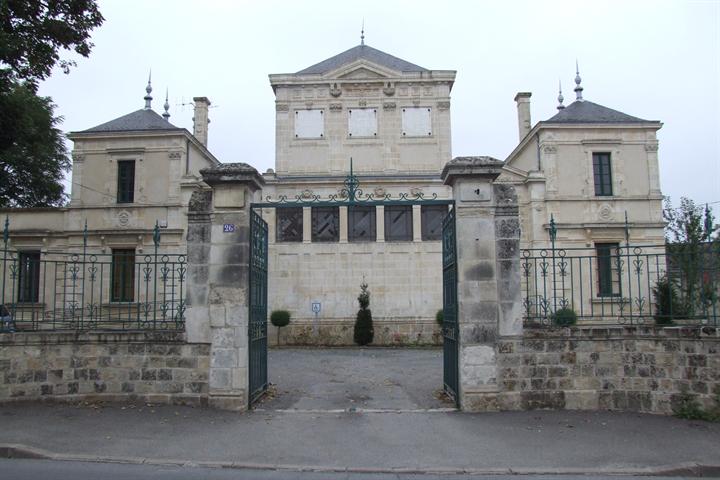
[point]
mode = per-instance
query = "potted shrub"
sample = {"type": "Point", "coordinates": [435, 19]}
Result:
{"type": "Point", "coordinates": [364, 331]}
{"type": "Point", "coordinates": [280, 318]}
{"type": "Point", "coordinates": [564, 317]}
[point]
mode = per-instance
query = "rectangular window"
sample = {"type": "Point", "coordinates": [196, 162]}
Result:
{"type": "Point", "coordinates": [602, 174]}
{"type": "Point", "coordinates": [398, 223]}
{"type": "Point", "coordinates": [608, 274]}
{"type": "Point", "coordinates": [325, 224]}
{"type": "Point", "coordinates": [122, 284]}
{"type": "Point", "coordinates": [361, 224]}
{"type": "Point", "coordinates": [126, 181]}
{"type": "Point", "coordinates": [416, 122]}
{"type": "Point", "coordinates": [29, 277]}
{"type": "Point", "coordinates": [289, 224]}
{"type": "Point", "coordinates": [432, 217]}
{"type": "Point", "coordinates": [362, 122]}
{"type": "Point", "coordinates": [309, 124]}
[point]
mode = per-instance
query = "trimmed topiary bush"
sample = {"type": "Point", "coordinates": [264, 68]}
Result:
{"type": "Point", "coordinates": [440, 317]}
{"type": "Point", "coordinates": [364, 332]}
{"type": "Point", "coordinates": [564, 317]}
{"type": "Point", "coordinates": [280, 318]}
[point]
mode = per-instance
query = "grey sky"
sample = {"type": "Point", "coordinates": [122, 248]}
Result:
{"type": "Point", "coordinates": [658, 60]}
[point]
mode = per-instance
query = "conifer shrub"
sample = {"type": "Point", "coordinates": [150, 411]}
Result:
{"type": "Point", "coordinates": [564, 317]}
{"type": "Point", "coordinates": [364, 331]}
{"type": "Point", "coordinates": [280, 318]}
{"type": "Point", "coordinates": [440, 317]}
{"type": "Point", "coordinates": [668, 305]}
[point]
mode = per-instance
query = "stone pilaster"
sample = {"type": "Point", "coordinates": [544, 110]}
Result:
{"type": "Point", "coordinates": [219, 250]}
{"type": "Point", "coordinates": [489, 304]}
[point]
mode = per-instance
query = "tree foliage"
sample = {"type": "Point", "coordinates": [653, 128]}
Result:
{"type": "Point", "coordinates": [33, 156]}
{"type": "Point", "coordinates": [32, 34]}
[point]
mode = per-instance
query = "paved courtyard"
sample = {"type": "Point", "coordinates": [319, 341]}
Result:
{"type": "Point", "coordinates": [404, 379]}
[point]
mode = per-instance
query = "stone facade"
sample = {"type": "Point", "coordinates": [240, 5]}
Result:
{"type": "Point", "coordinates": [641, 369]}
{"type": "Point", "coordinates": [151, 367]}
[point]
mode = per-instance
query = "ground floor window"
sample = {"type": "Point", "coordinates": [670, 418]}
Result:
{"type": "Point", "coordinates": [122, 284]}
{"type": "Point", "coordinates": [398, 223]}
{"type": "Point", "coordinates": [432, 218]}
{"type": "Point", "coordinates": [608, 274]}
{"type": "Point", "coordinates": [325, 224]}
{"type": "Point", "coordinates": [28, 276]}
{"type": "Point", "coordinates": [361, 224]}
{"type": "Point", "coordinates": [289, 224]}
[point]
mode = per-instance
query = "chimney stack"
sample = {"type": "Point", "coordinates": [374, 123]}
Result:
{"type": "Point", "coordinates": [523, 108]}
{"type": "Point", "coordinates": [200, 119]}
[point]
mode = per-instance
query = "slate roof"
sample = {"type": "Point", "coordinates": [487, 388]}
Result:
{"type": "Point", "coordinates": [589, 112]}
{"type": "Point", "coordinates": [139, 120]}
{"type": "Point", "coordinates": [362, 52]}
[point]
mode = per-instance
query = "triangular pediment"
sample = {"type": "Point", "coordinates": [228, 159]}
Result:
{"type": "Point", "coordinates": [362, 73]}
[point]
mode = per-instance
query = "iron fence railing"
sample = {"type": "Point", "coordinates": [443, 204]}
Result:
{"type": "Point", "coordinates": [86, 290]}
{"type": "Point", "coordinates": [621, 284]}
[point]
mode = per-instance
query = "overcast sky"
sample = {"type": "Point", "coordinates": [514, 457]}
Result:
{"type": "Point", "coordinates": [658, 60]}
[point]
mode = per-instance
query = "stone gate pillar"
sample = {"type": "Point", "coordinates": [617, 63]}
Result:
{"type": "Point", "coordinates": [218, 263]}
{"type": "Point", "coordinates": [488, 259]}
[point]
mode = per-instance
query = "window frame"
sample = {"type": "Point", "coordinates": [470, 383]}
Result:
{"type": "Point", "coordinates": [125, 181]}
{"type": "Point", "coordinates": [608, 279]}
{"type": "Point", "coordinates": [315, 235]}
{"type": "Point", "coordinates": [602, 174]}
{"type": "Point", "coordinates": [28, 263]}
{"type": "Point", "coordinates": [354, 210]}
{"type": "Point", "coordinates": [407, 236]}
{"type": "Point", "coordinates": [279, 212]}
{"type": "Point", "coordinates": [126, 294]}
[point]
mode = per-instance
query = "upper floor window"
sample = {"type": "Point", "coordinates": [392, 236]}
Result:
{"type": "Point", "coordinates": [361, 223]}
{"type": "Point", "coordinates": [362, 122]}
{"type": "Point", "coordinates": [29, 276]}
{"type": "Point", "coordinates": [398, 223]}
{"type": "Point", "coordinates": [126, 181]}
{"type": "Point", "coordinates": [416, 122]}
{"type": "Point", "coordinates": [325, 224]}
{"type": "Point", "coordinates": [309, 123]}
{"type": "Point", "coordinates": [289, 224]}
{"type": "Point", "coordinates": [602, 174]}
{"type": "Point", "coordinates": [432, 218]}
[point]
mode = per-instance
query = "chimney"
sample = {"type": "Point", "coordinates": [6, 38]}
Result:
{"type": "Point", "coordinates": [200, 119]}
{"type": "Point", "coordinates": [523, 107]}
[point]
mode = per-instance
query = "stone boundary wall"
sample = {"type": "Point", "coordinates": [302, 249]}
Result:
{"type": "Point", "coordinates": [157, 367]}
{"type": "Point", "coordinates": [339, 332]}
{"type": "Point", "coordinates": [641, 369]}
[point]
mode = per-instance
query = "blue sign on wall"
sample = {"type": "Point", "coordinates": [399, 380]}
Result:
{"type": "Point", "coordinates": [228, 227]}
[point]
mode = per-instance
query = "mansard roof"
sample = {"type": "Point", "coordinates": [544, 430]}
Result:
{"type": "Point", "coordinates": [143, 119]}
{"type": "Point", "coordinates": [582, 111]}
{"type": "Point", "coordinates": [364, 52]}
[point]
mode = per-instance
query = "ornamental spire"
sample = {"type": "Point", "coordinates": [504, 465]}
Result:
{"type": "Point", "coordinates": [560, 96]}
{"type": "Point", "coordinates": [578, 87]}
{"type": "Point", "coordinates": [148, 90]}
{"type": "Point", "coordinates": [166, 115]}
{"type": "Point", "coordinates": [362, 33]}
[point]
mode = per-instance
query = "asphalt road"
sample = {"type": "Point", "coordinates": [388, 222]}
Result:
{"type": "Point", "coordinates": [40, 469]}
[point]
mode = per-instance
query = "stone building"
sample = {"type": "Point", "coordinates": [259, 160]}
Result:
{"type": "Point", "coordinates": [388, 121]}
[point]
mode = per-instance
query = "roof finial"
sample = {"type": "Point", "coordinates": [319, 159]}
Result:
{"type": "Point", "coordinates": [166, 115]}
{"type": "Point", "coordinates": [578, 87]}
{"type": "Point", "coordinates": [362, 33]}
{"type": "Point", "coordinates": [148, 90]}
{"type": "Point", "coordinates": [560, 96]}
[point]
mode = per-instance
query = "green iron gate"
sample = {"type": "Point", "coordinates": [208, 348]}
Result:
{"type": "Point", "coordinates": [350, 196]}
{"type": "Point", "coordinates": [257, 324]}
{"type": "Point", "coordinates": [450, 308]}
